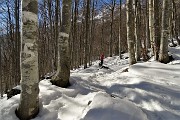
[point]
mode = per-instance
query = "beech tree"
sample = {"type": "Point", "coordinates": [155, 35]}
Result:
{"type": "Point", "coordinates": [163, 54]}
{"type": "Point", "coordinates": [61, 78]}
{"type": "Point", "coordinates": [86, 42]}
{"type": "Point", "coordinates": [156, 31]}
{"type": "Point", "coordinates": [174, 21]}
{"type": "Point", "coordinates": [120, 24]}
{"type": "Point", "coordinates": [112, 8]}
{"type": "Point", "coordinates": [151, 21]}
{"type": "Point", "coordinates": [137, 28]}
{"type": "Point", "coordinates": [130, 31]}
{"type": "Point", "coordinates": [148, 44]}
{"type": "Point", "coordinates": [29, 99]}
{"type": "Point", "coordinates": [1, 89]}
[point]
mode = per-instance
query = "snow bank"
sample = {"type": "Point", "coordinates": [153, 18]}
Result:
{"type": "Point", "coordinates": [104, 107]}
{"type": "Point", "coordinates": [155, 70]}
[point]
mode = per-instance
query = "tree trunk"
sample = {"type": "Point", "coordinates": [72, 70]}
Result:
{"type": "Point", "coordinates": [156, 32]}
{"type": "Point", "coordinates": [120, 20]}
{"type": "Point", "coordinates": [171, 23]}
{"type": "Point", "coordinates": [17, 44]}
{"type": "Point", "coordinates": [50, 48]}
{"type": "Point", "coordinates": [112, 22]}
{"type": "Point", "coordinates": [148, 43]}
{"type": "Point", "coordinates": [61, 78]}
{"type": "Point", "coordinates": [29, 100]}
{"type": "Point", "coordinates": [175, 31]}
{"type": "Point", "coordinates": [56, 33]}
{"type": "Point", "coordinates": [163, 55]}
{"type": "Point", "coordinates": [130, 31]}
{"type": "Point", "coordinates": [137, 29]}
{"type": "Point", "coordinates": [87, 34]}
{"type": "Point", "coordinates": [1, 86]}
{"type": "Point", "coordinates": [92, 33]}
{"type": "Point", "coordinates": [151, 22]}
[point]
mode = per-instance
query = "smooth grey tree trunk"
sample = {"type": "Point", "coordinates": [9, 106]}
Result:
{"type": "Point", "coordinates": [137, 29]}
{"type": "Point", "coordinates": [56, 33]}
{"type": "Point", "coordinates": [113, 4]}
{"type": "Point", "coordinates": [29, 100]}
{"type": "Point", "coordinates": [75, 24]}
{"type": "Point", "coordinates": [120, 20]}
{"type": "Point", "coordinates": [163, 55]}
{"type": "Point", "coordinates": [86, 42]}
{"type": "Point", "coordinates": [175, 31]}
{"type": "Point", "coordinates": [130, 32]}
{"type": "Point", "coordinates": [17, 43]}
{"type": "Point", "coordinates": [148, 44]}
{"type": "Point", "coordinates": [1, 82]}
{"type": "Point", "coordinates": [156, 31]}
{"type": "Point", "coordinates": [151, 22]}
{"type": "Point", "coordinates": [61, 78]}
{"type": "Point", "coordinates": [91, 41]}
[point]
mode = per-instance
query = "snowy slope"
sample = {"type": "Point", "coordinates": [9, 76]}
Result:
{"type": "Point", "coordinates": [149, 91]}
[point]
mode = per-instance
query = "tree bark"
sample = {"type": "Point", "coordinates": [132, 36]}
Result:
{"type": "Point", "coordinates": [1, 86]}
{"type": "Point", "coordinates": [56, 33]}
{"type": "Point", "coordinates": [112, 23]}
{"type": "Point", "coordinates": [163, 55]}
{"type": "Point", "coordinates": [148, 43]}
{"type": "Point", "coordinates": [175, 31]}
{"type": "Point", "coordinates": [137, 29]}
{"type": "Point", "coordinates": [17, 44]}
{"type": "Point", "coordinates": [120, 20]}
{"type": "Point", "coordinates": [87, 34]}
{"type": "Point", "coordinates": [61, 78]}
{"type": "Point", "coordinates": [156, 31]}
{"type": "Point", "coordinates": [29, 100]}
{"type": "Point", "coordinates": [130, 31]}
{"type": "Point", "coordinates": [92, 33]}
{"type": "Point", "coordinates": [151, 22]}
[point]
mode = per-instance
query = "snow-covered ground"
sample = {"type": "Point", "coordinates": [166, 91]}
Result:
{"type": "Point", "coordinates": [148, 91]}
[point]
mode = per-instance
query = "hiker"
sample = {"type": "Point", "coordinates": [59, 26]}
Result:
{"type": "Point", "coordinates": [101, 59]}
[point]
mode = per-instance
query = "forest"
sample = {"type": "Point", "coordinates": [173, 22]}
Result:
{"type": "Point", "coordinates": [55, 39]}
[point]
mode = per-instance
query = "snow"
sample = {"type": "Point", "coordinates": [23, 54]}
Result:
{"type": "Point", "coordinates": [112, 109]}
{"type": "Point", "coordinates": [148, 91]}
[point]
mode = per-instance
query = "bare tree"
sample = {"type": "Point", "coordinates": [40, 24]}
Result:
{"type": "Point", "coordinates": [56, 32]}
{"type": "Point", "coordinates": [156, 31]}
{"type": "Point", "coordinates": [130, 31]}
{"type": "Point", "coordinates": [120, 24]}
{"type": "Point", "coordinates": [163, 54]}
{"type": "Point", "coordinates": [1, 86]}
{"type": "Point", "coordinates": [151, 22]}
{"type": "Point", "coordinates": [148, 44]}
{"type": "Point", "coordinates": [174, 24]}
{"type": "Point", "coordinates": [17, 42]}
{"type": "Point", "coordinates": [112, 8]}
{"type": "Point", "coordinates": [137, 28]}
{"type": "Point", "coordinates": [63, 71]}
{"type": "Point", "coordinates": [92, 31]}
{"type": "Point", "coordinates": [29, 100]}
{"type": "Point", "coordinates": [87, 33]}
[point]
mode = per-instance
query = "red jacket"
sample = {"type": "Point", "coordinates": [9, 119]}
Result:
{"type": "Point", "coordinates": [102, 57]}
